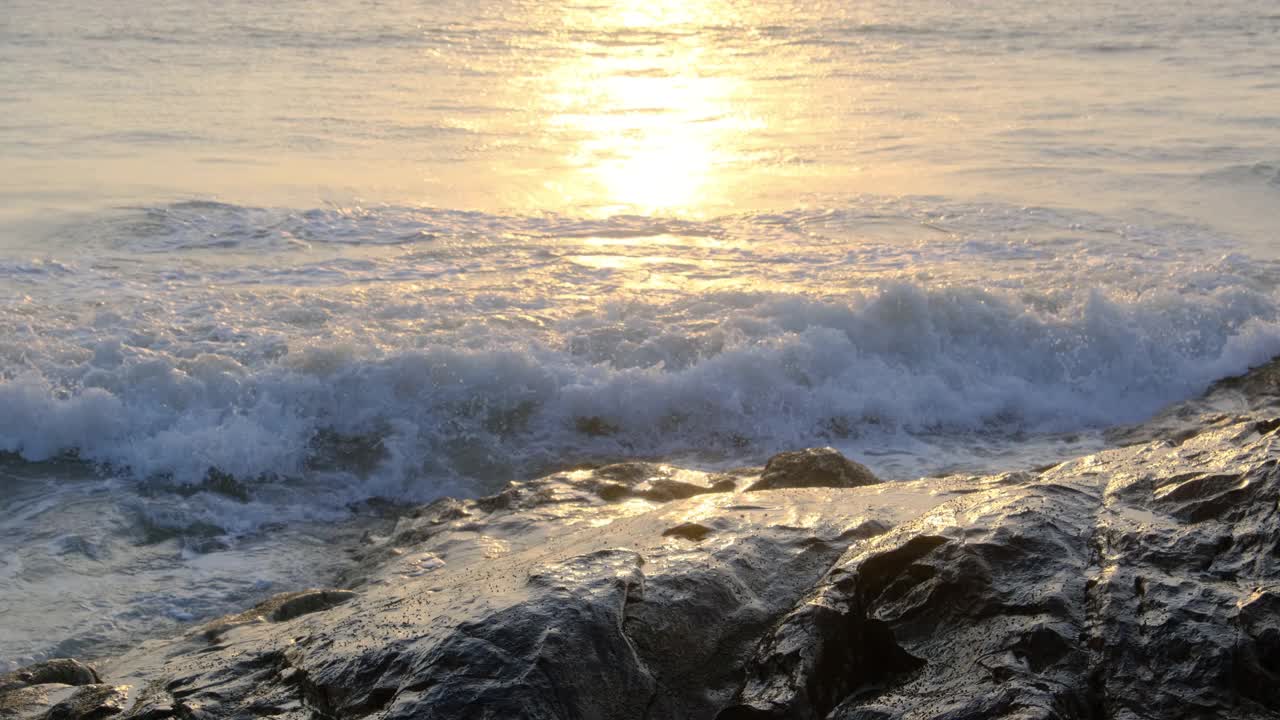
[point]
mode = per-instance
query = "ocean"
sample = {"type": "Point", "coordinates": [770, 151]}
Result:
{"type": "Point", "coordinates": [267, 269]}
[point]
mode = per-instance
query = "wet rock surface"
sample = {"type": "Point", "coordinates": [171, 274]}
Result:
{"type": "Point", "coordinates": [1139, 582]}
{"type": "Point", "coordinates": [90, 702]}
{"type": "Point", "coordinates": [59, 689]}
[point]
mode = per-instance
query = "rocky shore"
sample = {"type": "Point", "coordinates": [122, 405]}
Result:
{"type": "Point", "coordinates": [1139, 582]}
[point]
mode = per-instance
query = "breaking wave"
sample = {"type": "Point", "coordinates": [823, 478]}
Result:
{"type": "Point", "coordinates": [742, 374]}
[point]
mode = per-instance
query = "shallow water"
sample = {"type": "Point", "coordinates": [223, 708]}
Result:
{"type": "Point", "coordinates": [258, 263]}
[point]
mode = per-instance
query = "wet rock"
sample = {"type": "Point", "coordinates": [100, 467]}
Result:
{"type": "Point", "coordinates": [815, 467]}
{"type": "Point", "coordinates": [688, 531]}
{"type": "Point", "coordinates": [1139, 582]}
{"type": "Point", "coordinates": [29, 691]}
{"type": "Point", "coordinates": [279, 608]}
{"type": "Point", "coordinates": [23, 701]}
{"type": "Point", "coordinates": [152, 702]}
{"type": "Point", "coordinates": [957, 604]}
{"type": "Point", "coordinates": [571, 634]}
{"type": "Point", "coordinates": [1182, 552]}
{"type": "Point", "coordinates": [612, 491]}
{"type": "Point", "coordinates": [308, 601]}
{"type": "Point", "coordinates": [666, 490]}
{"type": "Point", "coordinates": [90, 702]}
{"type": "Point", "coordinates": [1259, 385]}
{"type": "Point", "coordinates": [1130, 584]}
{"type": "Point", "coordinates": [553, 603]}
{"type": "Point", "coordinates": [1257, 659]}
{"type": "Point", "coordinates": [63, 671]}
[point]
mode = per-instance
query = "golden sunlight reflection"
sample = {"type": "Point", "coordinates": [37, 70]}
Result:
{"type": "Point", "coordinates": [646, 119]}
{"type": "Point", "coordinates": [658, 262]}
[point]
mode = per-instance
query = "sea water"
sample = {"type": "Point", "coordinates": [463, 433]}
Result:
{"type": "Point", "coordinates": [263, 262]}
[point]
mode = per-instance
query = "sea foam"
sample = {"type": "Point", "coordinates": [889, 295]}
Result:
{"type": "Point", "coordinates": [481, 348]}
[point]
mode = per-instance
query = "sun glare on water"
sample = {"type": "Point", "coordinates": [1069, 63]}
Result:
{"type": "Point", "coordinates": [647, 123]}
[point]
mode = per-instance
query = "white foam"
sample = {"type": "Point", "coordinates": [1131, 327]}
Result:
{"type": "Point", "coordinates": [412, 371]}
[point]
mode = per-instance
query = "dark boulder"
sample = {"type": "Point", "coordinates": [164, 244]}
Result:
{"type": "Point", "coordinates": [814, 467]}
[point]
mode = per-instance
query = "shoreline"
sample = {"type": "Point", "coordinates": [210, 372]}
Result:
{"type": "Point", "coordinates": [643, 590]}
